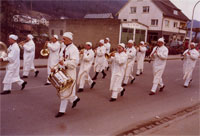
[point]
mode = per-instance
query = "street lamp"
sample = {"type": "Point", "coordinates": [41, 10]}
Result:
{"type": "Point", "coordinates": [192, 24]}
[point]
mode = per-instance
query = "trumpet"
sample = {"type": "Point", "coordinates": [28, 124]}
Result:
{"type": "Point", "coordinates": [45, 51]}
{"type": "Point", "coordinates": [108, 56]}
{"type": "Point", "coordinates": [21, 44]}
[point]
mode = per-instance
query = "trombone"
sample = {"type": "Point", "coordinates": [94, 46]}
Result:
{"type": "Point", "coordinates": [21, 44]}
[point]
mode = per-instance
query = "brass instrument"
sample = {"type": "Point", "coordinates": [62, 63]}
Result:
{"type": "Point", "coordinates": [61, 81]}
{"type": "Point", "coordinates": [21, 44]}
{"type": "Point", "coordinates": [108, 56]}
{"type": "Point", "coordinates": [3, 53]}
{"type": "Point", "coordinates": [45, 51]}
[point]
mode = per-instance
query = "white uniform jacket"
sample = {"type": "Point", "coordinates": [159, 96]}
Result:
{"type": "Point", "coordinates": [100, 60]}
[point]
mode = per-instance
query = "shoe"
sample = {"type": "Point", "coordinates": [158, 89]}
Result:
{"type": "Point", "coordinates": [36, 73]}
{"type": "Point", "coordinates": [104, 75]}
{"type": "Point", "coordinates": [80, 90]}
{"type": "Point", "coordinates": [132, 81]}
{"type": "Point", "coordinates": [162, 88]}
{"type": "Point", "coordinates": [152, 93]}
{"type": "Point", "coordinates": [92, 85]}
{"type": "Point", "coordinates": [24, 77]}
{"type": "Point", "coordinates": [59, 114]}
{"type": "Point", "coordinates": [137, 74]}
{"type": "Point", "coordinates": [23, 85]}
{"type": "Point", "coordinates": [185, 86]}
{"type": "Point", "coordinates": [122, 92]}
{"type": "Point", "coordinates": [75, 102]}
{"type": "Point", "coordinates": [108, 68]}
{"type": "Point", "coordinates": [94, 78]}
{"type": "Point", "coordinates": [47, 84]}
{"type": "Point", "coordinates": [112, 99]}
{"type": "Point", "coordinates": [6, 92]}
{"type": "Point", "coordinates": [141, 73]}
{"type": "Point", "coordinates": [123, 84]}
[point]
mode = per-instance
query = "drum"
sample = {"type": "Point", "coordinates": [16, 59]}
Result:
{"type": "Point", "coordinates": [61, 81]}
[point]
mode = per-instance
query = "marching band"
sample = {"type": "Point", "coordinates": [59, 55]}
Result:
{"type": "Point", "coordinates": [64, 58]}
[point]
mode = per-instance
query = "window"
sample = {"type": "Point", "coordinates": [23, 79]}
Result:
{"type": "Point", "coordinates": [135, 20]}
{"type": "Point", "coordinates": [52, 32]}
{"type": "Point", "coordinates": [146, 9]}
{"type": "Point", "coordinates": [175, 12]}
{"type": "Point", "coordinates": [182, 25]}
{"type": "Point", "coordinates": [124, 19]}
{"type": "Point", "coordinates": [166, 23]}
{"type": "Point", "coordinates": [125, 30]}
{"type": "Point", "coordinates": [175, 24]}
{"type": "Point", "coordinates": [61, 32]}
{"type": "Point", "coordinates": [154, 22]}
{"type": "Point", "coordinates": [133, 10]}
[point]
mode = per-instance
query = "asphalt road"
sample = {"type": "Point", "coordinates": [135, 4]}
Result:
{"type": "Point", "coordinates": [32, 111]}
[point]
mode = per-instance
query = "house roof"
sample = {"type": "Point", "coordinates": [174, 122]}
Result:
{"type": "Point", "coordinates": [103, 15]}
{"type": "Point", "coordinates": [167, 7]}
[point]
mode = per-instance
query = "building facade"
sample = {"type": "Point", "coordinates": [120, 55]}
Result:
{"type": "Point", "coordinates": [161, 17]}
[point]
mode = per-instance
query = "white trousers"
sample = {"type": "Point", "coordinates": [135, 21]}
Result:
{"type": "Point", "coordinates": [26, 72]}
{"type": "Point", "coordinates": [82, 81]}
{"type": "Point", "coordinates": [64, 102]}
{"type": "Point", "coordinates": [8, 86]}
{"type": "Point", "coordinates": [116, 92]}
{"type": "Point", "coordinates": [155, 85]}
{"type": "Point", "coordinates": [187, 81]}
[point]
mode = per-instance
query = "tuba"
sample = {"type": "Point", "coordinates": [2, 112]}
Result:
{"type": "Point", "coordinates": [3, 53]}
{"type": "Point", "coordinates": [45, 51]}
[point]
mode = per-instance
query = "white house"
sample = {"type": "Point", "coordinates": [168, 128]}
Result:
{"type": "Point", "coordinates": [161, 16]}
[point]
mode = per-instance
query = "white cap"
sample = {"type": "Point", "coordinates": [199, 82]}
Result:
{"type": "Point", "coordinates": [130, 41]}
{"type": "Point", "coordinates": [30, 36]}
{"type": "Point", "coordinates": [55, 36]}
{"type": "Point", "coordinates": [187, 38]}
{"type": "Point", "coordinates": [192, 43]}
{"type": "Point", "coordinates": [122, 44]}
{"type": "Point", "coordinates": [101, 41]}
{"type": "Point", "coordinates": [107, 39]}
{"type": "Point", "coordinates": [161, 40]}
{"type": "Point", "coordinates": [68, 35]}
{"type": "Point", "coordinates": [142, 42]}
{"type": "Point", "coordinates": [89, 43]}
{"type": "Point", "coordinates": [14, 37]}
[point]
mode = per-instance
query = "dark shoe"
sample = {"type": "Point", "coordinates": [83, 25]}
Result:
{"type": "Point", "coordinates": [190, 81]}
{"type": "Point", "coordinates": [137, 74]}
{"type": "Point", "coordinates": [59, 114]}
{"type": "Point", "coordinates": [122, 92]}
{"type": "Point", "coordinates": [23, 85]}
{"type": "Point", "coordinates": [152, 93]}
{"type": "Point", "coordinates": [185, 86]}
{"type": "Point", "coordinates": [141, 73]}
{"type": "Point", "coordinates": [80, 90]}
{"type": "Point", "coordinates": [75, 102]}
{"type": "Point", "coordinates": [47, 84]}
{"type": "Point", "coordinates": [24, 77]}
{"type": "Point", "coordinates": [92, 85]}
{"type": "Point", "coordinates": [123, 84]}
{"type": "Point", "coordinates": [132, 81]}
{"type": "Point", "coordinates": [36, 73]}
{"type": "Point", "coordinates": [112, 99]}
{"type": "Point", "coordinates": [104, 74]}
{"type": "Point", "coordinates": [6, 92]}
{"type": "Point", "coordinates": [108, 68]}
{"type": "Point", "coordinates": [162, 88]}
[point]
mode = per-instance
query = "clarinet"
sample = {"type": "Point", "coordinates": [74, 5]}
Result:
{"type": "Point", "coordinates": [152, 54]}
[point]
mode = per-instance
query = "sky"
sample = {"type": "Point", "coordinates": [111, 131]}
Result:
{"type": "Point", "coordinates": [186, 6]}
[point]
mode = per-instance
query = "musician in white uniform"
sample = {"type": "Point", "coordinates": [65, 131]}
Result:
{"type": "Point", "coordinates": [13, 67]}
{"type": "Point", "coordinates": [190, 59]}
{"type": "Point", "coordinates": [29, 56]}
{"type": "Point", "coordinates": [160, 54]}
{"type": "Point", "coordinates": [100, 60]}
{"type": "Point", "coordinates": [119, 61]}
{"type": "Point", "coordinates": [53, 59]}
{"type": "Point", "coordinates": [107, 45]}
{"type": "Point", "coordinates": [141, 51]}
{"type": "Point", "coordinates": [131, 53]}
{"type": "Point", "coordinates": [70, 61]}
{"type": "Point", "coordinates": [86, 60]}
